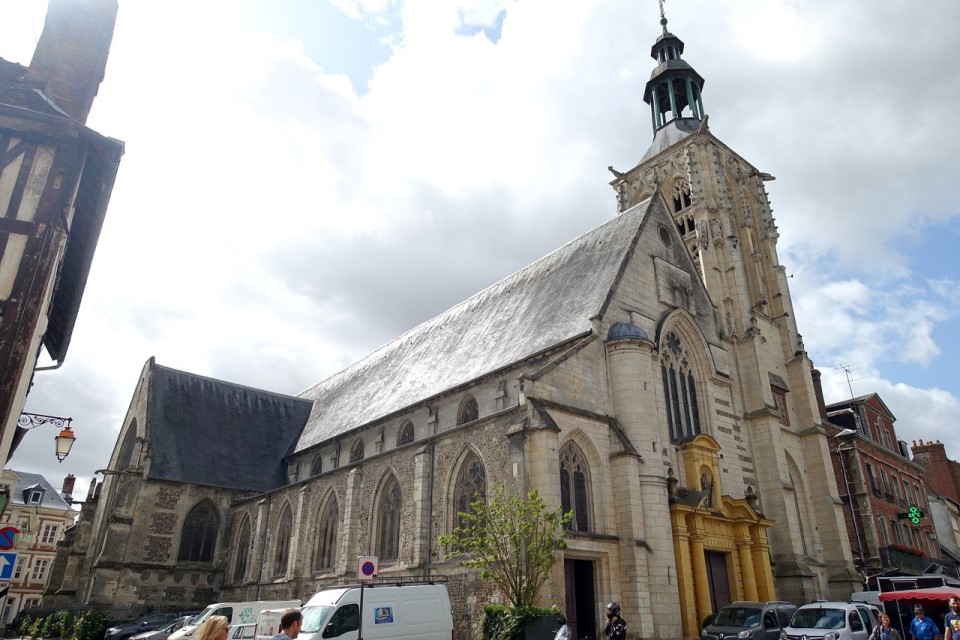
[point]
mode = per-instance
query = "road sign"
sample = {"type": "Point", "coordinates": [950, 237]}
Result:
{"type": "Point", "coordinates": [367, 567]}
{"type": "Point", "coordinates": [7, 534]}
{"type": "Point", "coordinates": [8, 561]}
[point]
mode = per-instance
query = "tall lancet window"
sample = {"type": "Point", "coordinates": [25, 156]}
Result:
{"type": "Point", "coordinates": [198, 538]}
{"type": "Point", "coordinates": [575, 486]}
{"type": "Point", "coordinates": [471, 486]}
{"type": "Point", "coordinates": [388, 521]}
{"type": "Point", "coordinates": [327, 535]}
{"type": "Point", "coordinates": [679, 390]}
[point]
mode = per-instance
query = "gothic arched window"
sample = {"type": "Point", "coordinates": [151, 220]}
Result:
{"type": "Point", "coordinates": [469, 411]}
{"type": "Point", "coordinates": [388, 521]}
{"type": "Point", "coordinates": [327, 535]}
{"type": "Point", "coordinates": [281, 547]}
{"type": "Point", "coordinates": [316, 467]}
{"type": "Point", "coordinates": [198, 539]}
{"type": "Point", "coordinates": [242, 550]}
{"type": "Point", "coordinates": [356, 453]}
{"type": "Point", "coordinates": [406, 434]}
{"type": "Point", "coordinates": [679, 390]}
{"type": "Point", "coordinates": [575, 487]}
{"type": "Point", "coordinates": [125, 461]}
{"type": "Point", "coordinates": [471, 486]}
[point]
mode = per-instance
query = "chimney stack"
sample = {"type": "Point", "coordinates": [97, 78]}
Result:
{"type": "Point", "coordinates": [71, 56]}
{"type": "Point", "coordinates": [68, 483]}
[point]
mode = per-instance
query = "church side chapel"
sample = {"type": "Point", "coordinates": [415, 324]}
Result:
{"type": "Point", "coordinates": [648, 376]}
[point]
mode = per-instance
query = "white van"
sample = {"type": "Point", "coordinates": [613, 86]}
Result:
{"type": "Point", "coordinates": [237, 613]}
{"type": "Point", "coordinates": [268, 623]}
{"type": "Point", "coordinates": [390, 612]}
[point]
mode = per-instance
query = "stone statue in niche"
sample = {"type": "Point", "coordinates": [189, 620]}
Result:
{"type": "Point", "coordinates": [706, 485]}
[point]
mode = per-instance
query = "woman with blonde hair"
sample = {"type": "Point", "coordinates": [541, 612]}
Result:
{"type": "Point", "coordinates": [213, 628]}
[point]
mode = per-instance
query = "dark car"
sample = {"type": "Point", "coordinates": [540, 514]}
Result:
{"type": "Point", "coordinates": [749, 621]}
{"type": "Point", "coordinates": [149, 622]}
{"type": "Point", "coordinates": [163, 632]}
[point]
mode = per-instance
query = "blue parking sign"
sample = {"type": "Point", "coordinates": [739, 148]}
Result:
{"type": "Point", "coordinates": [8, 561]}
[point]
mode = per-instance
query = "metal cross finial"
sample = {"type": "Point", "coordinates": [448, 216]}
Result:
{"type": "Point", "coordinates": [663, 17]}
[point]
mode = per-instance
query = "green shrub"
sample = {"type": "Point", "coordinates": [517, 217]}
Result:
{"type": "Point", "coordinates": [58, 625]}
{"type": "Point", "coordinates": [36, 629]}
{"type": "Point", "coordinates": [89, 625]}
{"type": "Point", "coordinates": [25, 623]}
{"type": "Point", "coordinates": [508, 623]}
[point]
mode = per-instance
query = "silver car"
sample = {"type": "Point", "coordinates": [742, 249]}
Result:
{"type": "Point", "coordinates": [163, 632]}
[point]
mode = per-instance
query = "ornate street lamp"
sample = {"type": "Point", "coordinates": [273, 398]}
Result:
{"type": "Point", "coordinates": [64, 440]}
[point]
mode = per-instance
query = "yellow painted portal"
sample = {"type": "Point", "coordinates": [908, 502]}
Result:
{"type": "Point", "coordinates": [704, 520]}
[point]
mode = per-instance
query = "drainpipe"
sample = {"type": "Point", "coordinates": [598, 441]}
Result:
{"type": "Point", "coordinates": [850, 501]}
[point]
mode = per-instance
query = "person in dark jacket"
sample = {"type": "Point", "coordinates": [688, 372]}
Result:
{"type": "Point", "coordinates": [616, 628]}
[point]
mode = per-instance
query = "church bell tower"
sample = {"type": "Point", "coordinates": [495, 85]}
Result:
{"type": "Point", "coordinates": [722, 213]}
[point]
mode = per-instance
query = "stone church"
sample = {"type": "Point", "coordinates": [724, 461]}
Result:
{"type": "Point", "coordinates": [648, 376]}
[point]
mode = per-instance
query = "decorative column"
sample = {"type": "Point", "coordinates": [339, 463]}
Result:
{"type": "Point", "coordinates": [701, 585]}
{"type": "Point", "coordinates": [745, 554]}
{"type": "Point", "coordinates": [761, 564]}
{"type": "Point", "coordinates": [681, 547]}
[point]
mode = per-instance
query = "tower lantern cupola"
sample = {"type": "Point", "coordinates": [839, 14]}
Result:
{"type": "Point", "coordinates": [673, 91]}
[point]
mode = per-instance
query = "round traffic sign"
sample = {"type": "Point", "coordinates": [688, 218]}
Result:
{"type": "Point", "coordinates": [368, 568]}
{"type": "Point", "coordinates": [7, 535]}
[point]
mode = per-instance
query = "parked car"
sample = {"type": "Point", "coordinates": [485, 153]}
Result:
{"type": "Point", "coordinates": [749, 620]}
{"type": "Point", "coordinates": [831, 621]}
{"type": "Point", "coordinates": [163, 632]}
{"type": "Point", "coordinates": [241, 631]}
{"type": "Point", "coordinates": [149, 622]}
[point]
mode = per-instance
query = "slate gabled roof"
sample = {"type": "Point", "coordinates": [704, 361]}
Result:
{"type": "Point", "coordinates": [16, 91]}
{"type": "Point", "coordinates": [215, 433]}
{"type": "Point", "coordinates": [536, 308]}
{"type": "Point", "coordinates": [51, 497]}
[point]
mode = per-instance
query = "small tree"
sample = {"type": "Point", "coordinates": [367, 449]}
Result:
{"type": "Point", "coordinates": [512, 540]}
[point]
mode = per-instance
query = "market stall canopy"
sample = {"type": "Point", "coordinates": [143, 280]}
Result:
{"type": "Point", "coordinates": [931, 594]}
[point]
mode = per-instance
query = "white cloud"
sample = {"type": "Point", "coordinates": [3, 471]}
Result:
{"type": "Point", "coordinates": [269, 226]}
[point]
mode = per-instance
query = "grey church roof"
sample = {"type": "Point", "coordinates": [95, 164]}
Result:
{"type": "Point", "coordinates": [538, 307]}
{"type": "Point", "coordinates": [51, 497]}
{"type": "Point", "coordinates": [215, 433]}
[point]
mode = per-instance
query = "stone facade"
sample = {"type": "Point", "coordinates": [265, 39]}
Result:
{"type": "Point", "coordinates": [659, 388]}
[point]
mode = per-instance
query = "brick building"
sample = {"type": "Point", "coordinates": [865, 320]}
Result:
{"type": "Point", "coordinates": [56, 176]}
{"type": "Point", "coordinates": [874, 468]}
{"type": "Point", "coordinates": [648, 375]}
{"type": "Point", "coordinates": [942, 480]}
{"type": "Point", "coordinates": [40, 514]}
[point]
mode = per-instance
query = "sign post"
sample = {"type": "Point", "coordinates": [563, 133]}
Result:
{"type": "Point", "coordinates": [367, 567]}
{"type": "Point", "coordinates": [8, 560]}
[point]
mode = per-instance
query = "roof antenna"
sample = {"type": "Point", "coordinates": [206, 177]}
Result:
{"type": "Point", "coordinates": [663, 18]}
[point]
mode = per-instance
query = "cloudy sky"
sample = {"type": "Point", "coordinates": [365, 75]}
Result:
{"type": "Point", "coordinates": [306, 179]}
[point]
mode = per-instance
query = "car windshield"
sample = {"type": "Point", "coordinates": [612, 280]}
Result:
{"type": "Point", "coordinates": [737, 617]}
{"type": "Point", "coordinates": [314, 618]}
{"type": "Point", "coordinates": [819, 618]}
{"type": "Point", "coordinates": [170, 627]}
{"type": "Point", "coordinates": [203, 615]}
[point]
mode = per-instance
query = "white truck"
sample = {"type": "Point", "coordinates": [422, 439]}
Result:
{"type": "Point", "coordinates": [395, 611]}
